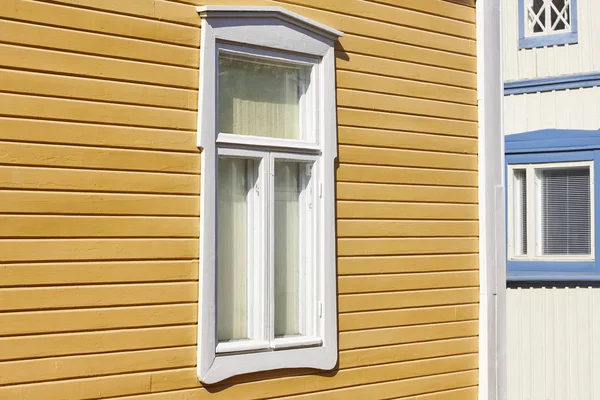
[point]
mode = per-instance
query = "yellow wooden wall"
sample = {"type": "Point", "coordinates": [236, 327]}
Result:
{"type": "Point", "coordinates": [99, 199]}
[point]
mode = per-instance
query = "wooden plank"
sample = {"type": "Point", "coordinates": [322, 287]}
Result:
{"type": "Point", "coordinates": [94, 66]}
{"type": "Point", "coordinates": [99, 22]}
{"type": "Point", "coordinates": [390, 283]}
{"type": "Point", "coordinates": [379, 192]}
{"type": "Point", "coordinates": [44, 298]}
{"type": "Point", "coordinates": [405, 70]}
{"type": "Point", "coordinates": [406, 140]}
{"type": "Point", "coordinates": [38, 346]}
{"type": "Point", "coordinates": [412, 316]}
{"type": "Point", "coordinates": [418, 298]}
{"type": "Point", "coordinates": [468, 393]}
{"type": "Point", "coordinates": [404, 52]}
{"type": "Point", "coordinates": [98, 272]}
{"type": "Point", "coordinates": [92, 365]}
{"type": "Point", "coordinates": [92, 319]}
{"type": "Point", "coordinates": [398, 264]}
{"type": "Point", "coordinates": [97, 249]}
{"type": "Point", "coordinates": [397, 246]}
{"type": "Point", "coordinates": [385, 120]}
{"type": "Point", "coordinates": [384, 84]}
{"type": "Point", "coordinates": [417, 386]}
{"type": "Point", "coordinates": [441, 8]}
{"type": "Point", "coordinates": [28, 82]}
{"type": "Point", "coordinates": [405, 175]}
{"type": "Point", "coordinates": [18, 105]}
{"type": "Point", "coordinates": [29, 34]}
{"type": "Point", "coordinates": [405, 158]}
{"type": "Point", "coordinates": [57, 132]}
{"type": "Point", "coordinates": [401, 104]}
{"type": "Point", "coordinates": [37, 202]}
{"type": "Point", "coordinates": [12, 177]}
{"type": "Point", "coordinates": [383, 210]}
{"type": "Point", "coordinates": [407, 334]}
{"type": "Point", "coordinates": [97, 158]}
{"type": "Point", "coordinates": [394, 228]}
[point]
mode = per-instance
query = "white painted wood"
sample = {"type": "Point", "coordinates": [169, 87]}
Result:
{"type": "Point", "coordinates": [581, 57]}
{"type": "Point", "coordinates": [562, 109]}
{"type": "Point", "coordinates": [553, 350]}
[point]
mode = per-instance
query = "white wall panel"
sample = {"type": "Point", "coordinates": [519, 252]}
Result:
{"type": "Point", "coordinates": [562, 109]}
{"type": "Point", "coordinates": [553, 349]}
{"type": "Point", "coordinates": [542, 62]}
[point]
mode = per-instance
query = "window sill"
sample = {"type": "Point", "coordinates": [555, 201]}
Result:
{"type": "Point", "coordinates": [557, 39]}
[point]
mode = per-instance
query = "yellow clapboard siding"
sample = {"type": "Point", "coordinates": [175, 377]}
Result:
{"type": "Point", "coordinates": [97, 364]}
{"type": "Point", "coordinates": [39, 346]}
{"type": "Point", "coordinates": [97, 249]}
{"type": "Point", "coordinates": [101, 158]}
{"type": "Point", "coordinates": [401, 104]}
{"type": "Point", "coordinates": [405, 140]}
{"type": "Point", "coordinates": [36, 202]}
{"type": "Point", "coordinates": [93, 180]}
{"type": "Point", "coordinates": [442, 194]}
{"type": "Point", "coordinates": [92, 319]}
{"type": "Point", "coordinates": [364, 210]}
{"type": "Point", "coordinates": [98, 44]}
{"type": "Point", "coordinates": [98, 272]}
{"type": "Point", "coordinates": [468, 393]}
{"type": "Point", "coordinates": [388, 283]}
{"type": "Point", "coordinates": [441, 8]}
{"type": "Point", "coordinates": [396, 15]}
{"type": "Point", "coordinates": [388, 318]}
{"type": "Point", "coordinates": [405, 175]}
{"type": "Point", "coordinates": [395, 246]}
{"type": "Point", "coordinates": [383, 84]}
{"type": "Point", "coordinates": [17, 105]}
{"type": "Point", "coordinates": [403, 52]}
{"type": "Point", "coordinates": [398, 264]}
{"type": "Point", "coordinates": [99, 67]}
{"type": "Point", "coordinates": [385, 120]}
{"type": "Point", "coordinates": [407, 334]}
{"type": "Point", "coordinates": [27, 82]}
{"type": "Point", "coordinates": [42, 298]}
{"type": "Point", "coordinates": [100, 22]}
{"type": "Point", "coordinates": [57, 132]}
{"type": "Point", "coordinates": [405, 70]}
{"type": "Point", "coordinates": [402, 388]}
{"type": "Point", "coordinates": [394, 228]}
{"type": "Point", "coordinates": [417, 298]}
{"type": "Point", "coordinates": [405, 158]}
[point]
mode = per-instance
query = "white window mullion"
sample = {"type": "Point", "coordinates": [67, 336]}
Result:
{"type": "Point", "coordinates": [532, 233]}
{"type": "Point", "coordinates": [270, 245]}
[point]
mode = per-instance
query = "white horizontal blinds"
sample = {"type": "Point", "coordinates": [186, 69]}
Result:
{"type": "Point", "coordinates": [547, 16]}
{"type": "Point", "coordinates": [520, 212]}
{"type": "Point", "coordinates": [232, 255]}
{"type": "Point", "coordinates": [260, 98]}
{"type": "Point", "coordinates": [566, 211]}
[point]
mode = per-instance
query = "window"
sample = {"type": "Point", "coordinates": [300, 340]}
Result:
{"type": "Point", "coordinates": [547, 22]}
{"type": "Point", "coordinates": [268, 137]}
{"type": "Point", "coordinates": [550, 212]}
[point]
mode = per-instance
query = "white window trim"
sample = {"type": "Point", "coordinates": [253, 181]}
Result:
{"type": "Point", "coordinates": [281, 30]}
{"type": "Point", "coordinates": [534, 209]}
{"type": "Point", "coordinates": [547, 27]}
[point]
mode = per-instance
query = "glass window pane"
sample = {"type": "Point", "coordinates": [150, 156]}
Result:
{"type": "Point", "coordinates": [232, 258]}
{"type": "Point", "coordinates": [261, 98]}
{"type": "Point", "coordinates": [520, 212]}
{"type": "Point", "coordinates": [288, 244]}
{"type": "Point", "coordinates": [566, 211]}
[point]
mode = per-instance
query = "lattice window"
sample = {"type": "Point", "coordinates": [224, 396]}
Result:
{"type": "Point", "coordinates": [547, 16]}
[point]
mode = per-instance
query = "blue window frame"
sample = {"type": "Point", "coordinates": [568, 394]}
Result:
{"type": "Point", "coordinates": [555, 146]}
{"type": "Point", "coordinates": [547, 38]}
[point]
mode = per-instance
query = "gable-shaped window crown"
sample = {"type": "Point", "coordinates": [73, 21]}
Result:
{"type": "Point", "coordinates": [547, 23]}
{"type": "Point", "coordinates": [267, 129]}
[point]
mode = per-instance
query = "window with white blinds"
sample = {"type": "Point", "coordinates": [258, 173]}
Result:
{"type": "Point", "coordinates": [551, 211]}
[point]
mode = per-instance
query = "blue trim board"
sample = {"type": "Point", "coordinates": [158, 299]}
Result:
{"type": "Point", "coordinates": [564, 82]}
{"type": "Point", "coordinates": [547, 40]}
{"type": "Point", "coordinates": [546, 146]}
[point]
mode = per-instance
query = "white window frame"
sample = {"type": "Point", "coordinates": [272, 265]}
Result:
{"type": "Point", "coordinates": [268, 32]}
{"type": "Point", "coordinates": [534, 222]}
{"type": "Point", "coordinates": [546, 19]}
